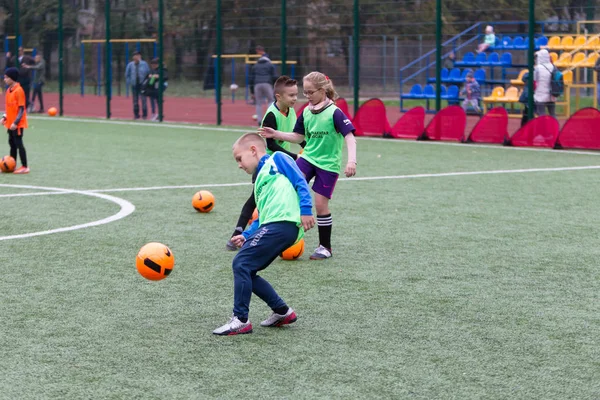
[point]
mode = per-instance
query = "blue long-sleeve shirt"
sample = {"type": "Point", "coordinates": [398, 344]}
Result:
{"type": "Point", "coordinates": [288, 168]}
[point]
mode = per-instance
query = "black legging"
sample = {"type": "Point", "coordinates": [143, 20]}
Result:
{"type": "Point", "coordinates": [15, 140]}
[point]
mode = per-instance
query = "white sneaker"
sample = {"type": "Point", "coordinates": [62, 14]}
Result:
{"type": "Point", "coordinates": [234, 327]}
{"type": "Point", "coordinates": [279, 320]}
{"type": "Point", "coordinates": [154, 117]}
{"type": "Point", "coordinates": [321, 253]}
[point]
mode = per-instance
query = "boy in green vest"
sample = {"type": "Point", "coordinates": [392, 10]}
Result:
{"type": "Point", "coordinates": [285, 212]}
{"type": "Point", "coordinates": [280, 116]}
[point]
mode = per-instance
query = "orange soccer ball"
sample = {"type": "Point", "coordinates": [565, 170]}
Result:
{"type": "Point", "coordinates": [294, 251]}
{"type": "Point", "coordinates": [155, 261]}
{"type": "Point", "coordinates": [8, 164]}
{"type": "Point", "coordinates": [254, 216]}
{"type": "Point", "coordinates": [203, 201]}
{"type": "Point", "coordinates": [52, 111]}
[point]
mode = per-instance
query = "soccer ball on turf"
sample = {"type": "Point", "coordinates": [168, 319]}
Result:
{"type": "Point", "coordinates": [155, 261]}
{"type": "Point", "coordinates": [8, 164]}
{"type": "Point", "coordinates": [203, 201]}
{"type": "Point", "coordinates": [294, 251]}
{"type": "Point", "coordinates": [52, 111]}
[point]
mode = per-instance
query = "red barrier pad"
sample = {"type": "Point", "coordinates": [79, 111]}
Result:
{"type": "Point", "coordinates": [301, 109]}
{"type": "Point", "coordinates": [492, 128]}
{"type": "Point", "coordinates": [371, 119]}
{"type": "Point", "coordinates": [581, 131]}
{"type": "Point", "coordinates": [539, 132]}
{"type": "Point", "coordinates": [410, 125]}
{"type": "Point", "coordinates": [448, 124]}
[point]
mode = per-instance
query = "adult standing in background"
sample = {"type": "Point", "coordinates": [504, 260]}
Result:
{"type": "Point", "coordinates": [38, 81]}
{"type": "Point", "coordinates": [23, 62]}
{"type": "Point", "coordinates": [597, 69]}
{"type": "Point", "coordinates": [543, 76]}
{"type": "Point", "coordinates": [135, 73]}
{"type": "Point", "coordinates": [262, 78]}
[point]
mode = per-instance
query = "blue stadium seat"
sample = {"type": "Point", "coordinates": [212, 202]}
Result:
{"type": "Point", "coordinates": [507, 42]}
{"type": "Point", "coordinates": [451, 93]}
{"type": "Point", "coordinates": [479, 75]}
{"type": "Point", "coordinates": [493, 59]}
{"type": "Point", "coordinates": [444, 75]}
{"type": "Point", "coordinates": [468, 59]}
{"type": "Point", "coordinates": [429, 92]}
{"type": "Point", "coordinates": [506, 60]}
{"type": "Point", "coordinates": [416, 92]}
{"type": "Point", "coordinates": [541, 41]}
{"type": "Point", "coordinates": [454, 75]}
{"type": "Point", "coordinates": [481, 59]}
{"type": "Point", "coordinates": [518, 43]}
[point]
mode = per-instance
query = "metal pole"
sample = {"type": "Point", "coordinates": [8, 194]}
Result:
{"type": "Point", "coordinates": [356, 53]}
{"type": "Point", "coordinates": [17, 33]}
{"type": "Point", "coordinates": [283, 38]}
{"type": "Point", "coordinates": [530, 58]}
{"type": "Point", "coordinates": [438, 55]}
{"type": "Point", "coordinates": [218, 62]}
{"type": "Point", "coordinates": [107, 57]}
{"type": "Point", "coordinates": [396, 59]}
{"type": "Point", "coordinates": [60, 58]}
{"type": "Point", "coordinates": [82, 69]}
{"type": "Point", "coordinates": [161, 54]}
{"type": "Point", "coordinates": [126, 61]}
{"type": "Point", "coordinates": [384, 63]}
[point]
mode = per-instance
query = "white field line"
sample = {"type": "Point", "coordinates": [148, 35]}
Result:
{"type": "Point", "coordinates": [202, 127]}
{"type": "Point", "coordinates": [362, 178]}
{"type": "Point", "coordinates": [126, 209]}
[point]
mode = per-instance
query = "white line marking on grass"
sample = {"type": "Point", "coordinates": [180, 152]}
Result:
{"type": "Point", "coordinates": [31, 194]}
{"type": "Point", "coordinates": [126, 209]}
{"type": "Point", "coordinates": [139, 189]}
{"type": "Point", "coordinates": [204, 127]}
{"type": "Point", "coordinates": [363, 178]}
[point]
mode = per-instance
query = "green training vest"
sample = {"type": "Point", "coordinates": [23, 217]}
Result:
{"type": "Point", "coordinates": [323, 143]}
{"type": "Point", "coordinates": [275, 197]}
{"type": "Point", "coordinates": [284, 124]}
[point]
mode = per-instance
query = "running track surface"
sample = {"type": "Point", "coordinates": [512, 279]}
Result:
{"type": "Point", "coordinates": [192, 110]}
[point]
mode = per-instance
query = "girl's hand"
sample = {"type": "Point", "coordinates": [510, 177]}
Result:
{"type": "Point", "coordinates": [266, 132]}
{"type": "Point", "coordinates": [13, 127]}
{"type": "Point", "coordinates": [350, 169]}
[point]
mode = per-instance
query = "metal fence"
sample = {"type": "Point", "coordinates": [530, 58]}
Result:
{"type": "Point", "coordinates": [207, 48]}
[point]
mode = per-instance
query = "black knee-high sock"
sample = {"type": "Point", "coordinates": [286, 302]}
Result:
{"type": "Point", "coordinates": [325, 223]}
{"type": "Point", "coordinates": [245, 215]}
{"type": "Point", "coordinates": [22, 152]}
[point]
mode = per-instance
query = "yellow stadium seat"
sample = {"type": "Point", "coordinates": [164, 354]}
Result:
{"type": "Point", "coordinates": [554, 43]}
{"type": "Point", "coordinates": [519, 80]}
{"type": "Point", "coordinates": [577, 59]}
{"type": "Point", "coordinates": [590, 62]}
{"type": "Point", "coordinates": [568, 77]}
{"type": "Point", "coordinates": [510, 96]}
{"type": "Point", "coordinates": [578, 43]}
{"type": "Point", "coordinates": [564, 60]}
{"type": "Point", "coordinates": [593, 43]}
{"type": "Point", "coordinates": [498, 92]}
{"type": "Point", "coordinates": [565, 43]}
{"type": "Point", "coordinates": [554, 56]}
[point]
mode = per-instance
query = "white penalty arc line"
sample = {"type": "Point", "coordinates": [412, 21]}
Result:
{"type": "Point", "coordinates": [126, 209]}
{"type": "Point", "coordinates": [205, 127]}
